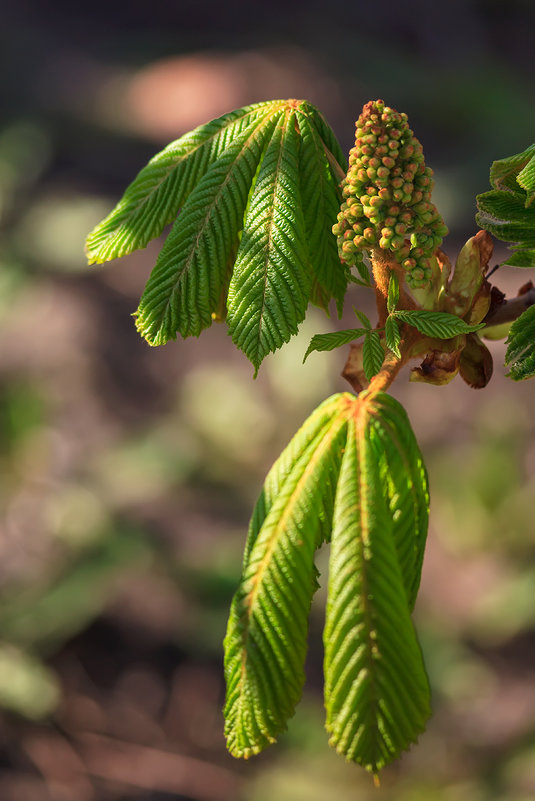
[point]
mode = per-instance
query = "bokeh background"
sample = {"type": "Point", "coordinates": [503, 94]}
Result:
{"type": "Point", "coordinates": [127, 474]}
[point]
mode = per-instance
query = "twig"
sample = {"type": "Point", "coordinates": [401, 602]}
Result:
{"type": "Point", "coordinates": [510, 310]}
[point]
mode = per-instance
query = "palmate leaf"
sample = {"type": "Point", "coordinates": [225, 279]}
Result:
{"type": "Point", "coordinates": [354, 460]}
{"type": "Point", "coordinates": [270, 285]}
{"type": "Point", "coordinates": [376, 689]}
{"type": "Point", "coordinates": [154, 198]}
{"type": "Point", "coordinates": [439, 325]}
{"type": "Point", "coordinates": [259, 187]}
{"type": "Point", "coordinates": [520, 355]}
{"type": "Point", "coordinates": [267, 631]}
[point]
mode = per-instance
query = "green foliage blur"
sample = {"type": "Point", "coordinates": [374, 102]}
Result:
{"type": "Point", "coordinates": [127, 474]}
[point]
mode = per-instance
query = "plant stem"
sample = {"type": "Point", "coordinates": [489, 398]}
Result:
{"type": "Point", "coordinates": [386, 375]}
{"type": "Point", "coordinates": [511, 309]}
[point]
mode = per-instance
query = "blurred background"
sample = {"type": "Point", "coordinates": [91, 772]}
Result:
{"type": "Point", "coordinates": [127, 474]}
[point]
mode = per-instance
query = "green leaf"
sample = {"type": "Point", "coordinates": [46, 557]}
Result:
{"type": "Point", "coordinates": [505, 206]}
{"type": "Point", "coordinates": [253, 240]}
{"type": "Point", "coordinates": [321, 204]}
{"type": "Point", "coordinates": [270, 286]}
{"type": "Point", "coordinates": [376, 689]}
{"type": "Point", "coordinates": [393, 293]}
{"type": "Point", "coordinates": [155, 196]}
{"type": "Point", "coordinates": [392, 335]}
{"type": "Point", "coordinates": [362, 318]}
{"type": "Point", "coordinates": [526, 178]}
{"type": "Point", "coordinates": [504, 172]}
{"type": "Point", "coordinates": [333, 151]}
{"type": "Point", "coordinates": [335, 339]}
{"type": "Point", "coordinates": [521, 257]}
{"type": "Point", "coordinates": [266, 637]}
{"type": "Point", "coordinates": [507, 212]}
{"type": "Point", "coordinates": [404, 479]}
{"type": "Point", "coordinates": [184, 288]}
{"type": "Point", "coordinates": [520, 355]}
{"type": "Point", "coordinates": [439, 325]}
{"type": "Point", "coordinates": [373, 354]}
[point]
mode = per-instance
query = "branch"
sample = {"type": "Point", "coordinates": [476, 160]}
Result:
{"type": "Point", "coordinates": [510, 310]}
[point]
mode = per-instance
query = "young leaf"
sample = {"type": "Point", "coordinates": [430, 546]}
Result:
{"type": "Point", "coordinates": [392, 335]}
{"type": "Point", "coordinates": [404, 480]}
{"type": "Point", "coordinates": [184, 288]}
{"type": "Point", "coordinates": [270, 286]}
{"type": "Point", "coordinates": [526, 177]}
{"type": "Point", "coordinates": [333, 340]}
{"type": "Point", "coordinates": [362, 317]}
{"type": "Point", "coordinates": [264, 200]}
{"type": "Point", "coordinates": [521, 257]}
{"type": "Point", "coordinates": [504, 172]}
{"type": "Point", "coordinates": [372, 354]}
{"type": "Point", "coordinates": [155, 196]}
{"type": "Point", "coordinates": [520, 355]}
{"type": "Point", "coordinates": [266, 637]}
{"type": "Point", "coordinates": [439, 325]}
{"type": "Point", "coordinates": [393, 293]}
{"type": "Point", "coordinates": [376, 689]}
{"type": "Point", "coordinates": [321, 204]}
{"type": "Point", "coordinates": [507, 212]}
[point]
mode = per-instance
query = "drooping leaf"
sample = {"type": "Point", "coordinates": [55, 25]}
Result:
{"type": "Point", "coordinates": [376, 689]}
{"type": "Point", "coordinates": [321, 203]}
{"type": "Point", "coordinates": [520, 355]}
{"type": "Point", "coordinates": [404, 479]}
{"type": "Point", "coordinates": [372, 354]}
{"type": "Point", "coordinates": [439, 325]}
{"type": "Point", "coordinates": [270, 286]}
{"type": "Point", "coordinates": [392, 335]}
{"type": "Point", "coordinates": [184, 288]}
{"type": "Point", "coordinates": [333, 340]}
{"type": "Point", "coordinates": [268, 206]}
{"type": "Point", "coordinates": [266, 637]}
{"type": "Point", "coordinates": [155, 196]}
{"type": "Point", "coordinates": [335, 155]}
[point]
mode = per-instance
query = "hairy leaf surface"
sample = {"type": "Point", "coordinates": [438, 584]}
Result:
{"type": "Point", "coordinates": [520, 355]}
{"type": "Point", "coordinates": [267, 631]}
{"type": "Point", "coordinates": [376, 689]}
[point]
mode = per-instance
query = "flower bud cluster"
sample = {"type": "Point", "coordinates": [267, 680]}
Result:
{"type": "Point", "coordinates": [387, 195]}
